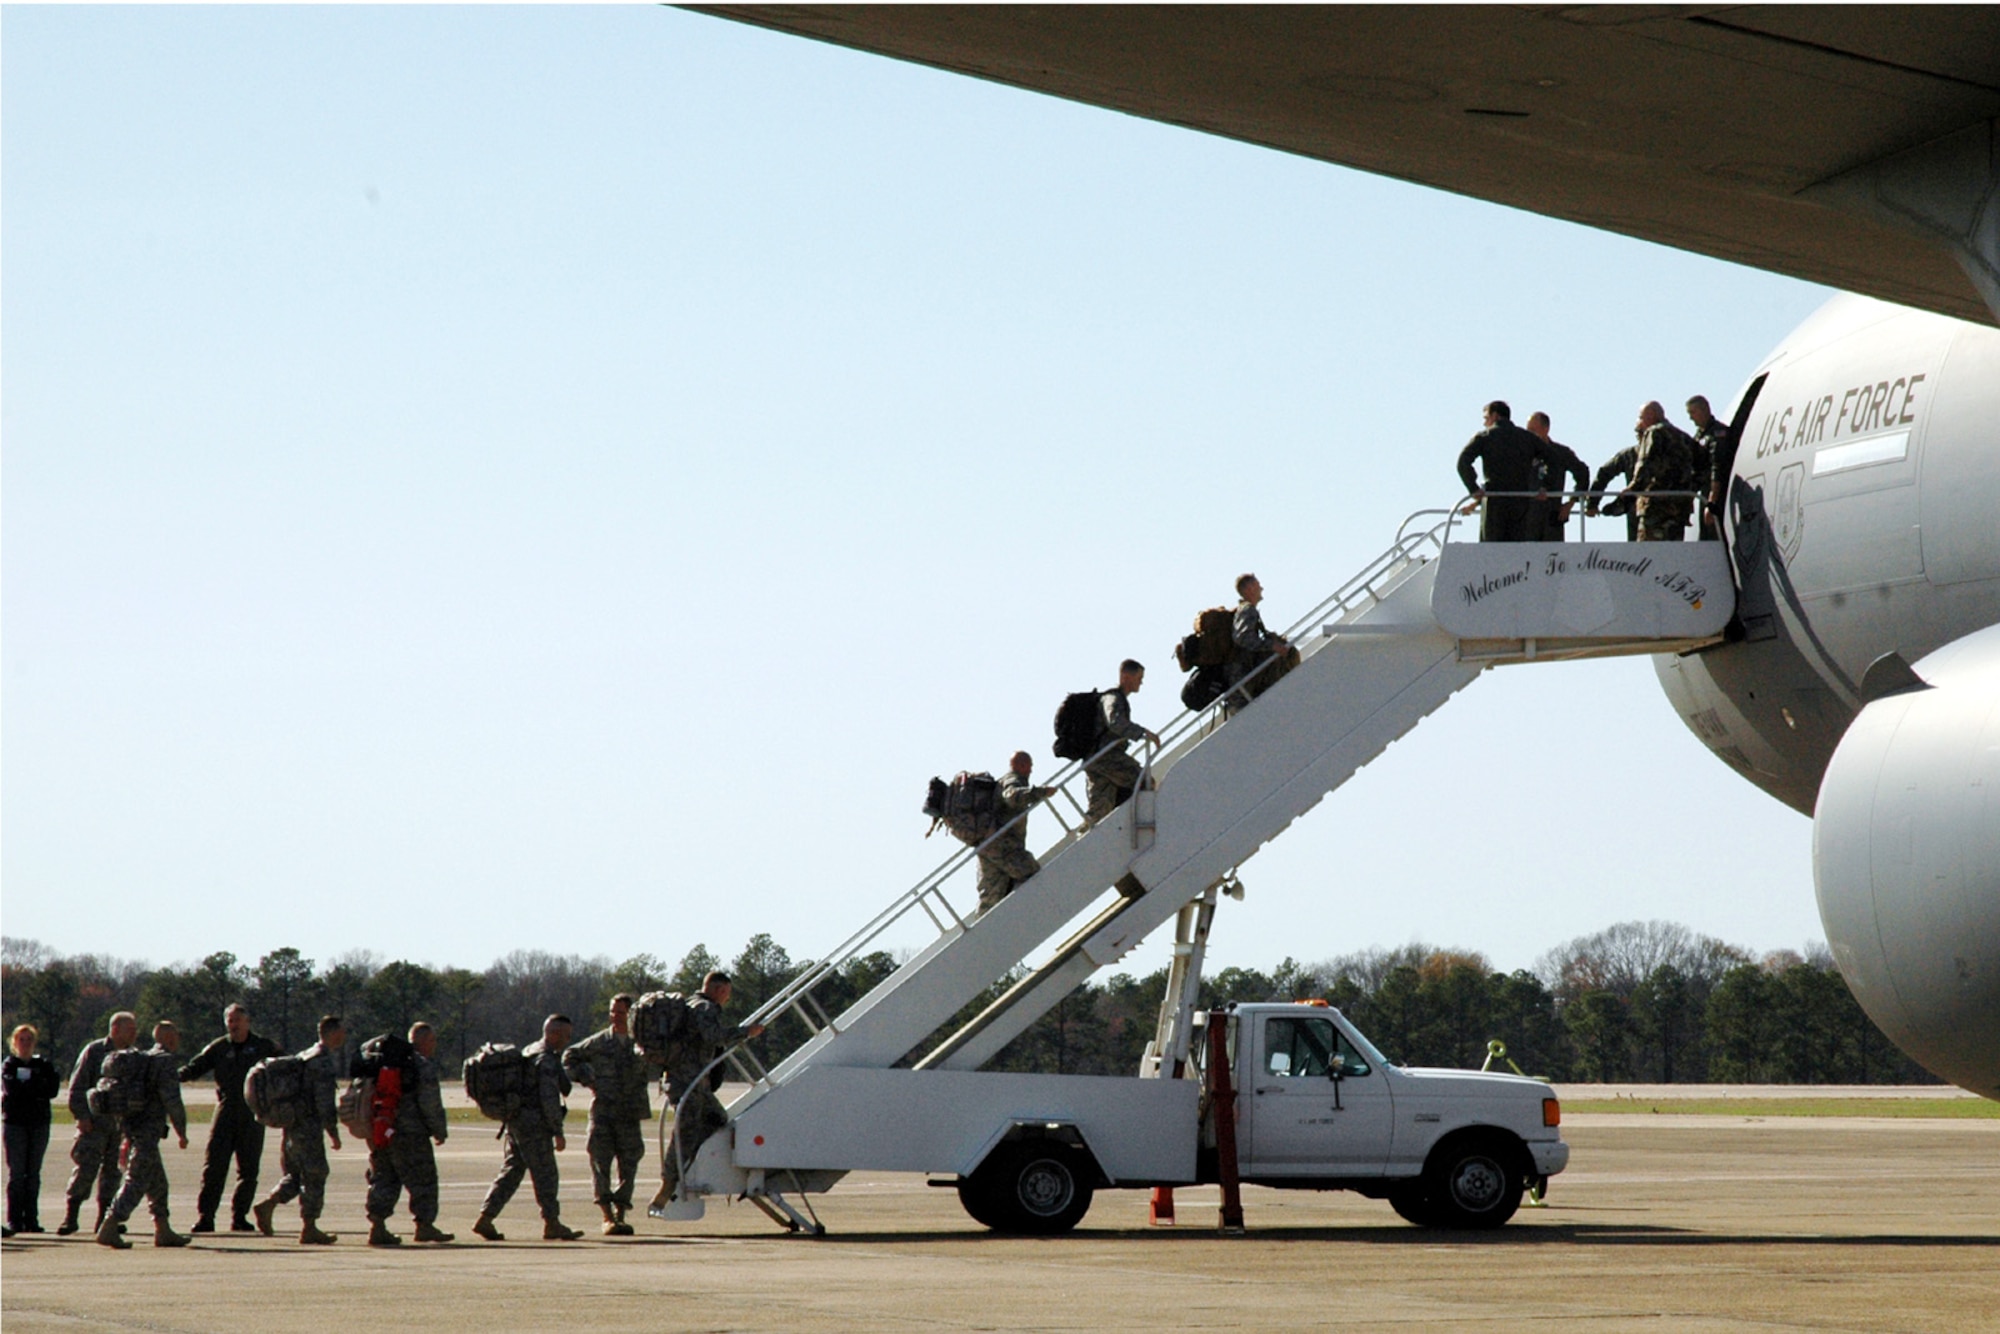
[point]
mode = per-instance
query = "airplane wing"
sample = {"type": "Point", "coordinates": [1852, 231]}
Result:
{"type": "Point", "coordinates": [1855, 146]}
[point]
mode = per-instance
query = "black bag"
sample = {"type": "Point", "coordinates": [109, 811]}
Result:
{"type": "Point", "coordinates": [1204, 687]}
{"type": "Point", "coordinates": [969, 806]}
{"type": "Point", "coordinates": [1079, 725]}
{"type": "Point", "coordinates": [386, 1049]}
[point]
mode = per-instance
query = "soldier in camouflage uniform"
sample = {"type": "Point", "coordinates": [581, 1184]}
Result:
{"type": "Point", "coordinates": [406, 1161]}
{"type": "Point", "coordinates": [610, 1066]}
{"type": "Point", "coordinates": [1719, 443]}
{"type": "Point", "coordinates": [145, 1173]}
{"type": "Point", "coordinates": [302, 1154]}
{"type": "Point", "coordinates": [1005, 861]}
{"type": "Point", "coordinates": [1619, 465]}
{"type": "Point", "coordinates": [533, 1138]}
{"type": "Point", "coordinates": [95, 1150]}
{"type": "Point", "coordinates": [1667, 461]}
{"type": "Point", "coordinates": [697, 1114]}
{"type": "Point", "coordinates": [235, 1132]}
{"type": "Point", "coordinates": [1113, 776]}
{"type": "Point", "coordinates": [1254, 647]}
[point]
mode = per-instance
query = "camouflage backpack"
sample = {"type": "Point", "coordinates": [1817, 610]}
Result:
{"type": "Point", "coordinates": [123, 1084]}
{"type": "Point", "coordinates": [969, 806]}
{"type": "Point", "coordinates": [499, 1078]}
{"type": "Point", "coordinates": [356, 1106]}
{"type": "Point", "coordinates": [661, 1025]}
{"type": "Point", "coordinates": [275, 1091]}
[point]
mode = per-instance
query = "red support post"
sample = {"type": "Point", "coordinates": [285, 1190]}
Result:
{"type": "Point", "coordinates": [1222, 1105]}
{"type": "Point", "coordinates": [1161, 1211]}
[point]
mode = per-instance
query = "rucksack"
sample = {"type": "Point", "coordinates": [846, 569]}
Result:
{"type": "Point", "coordinates": [1214, 636]}
{"type": "Point", "coordinates": [356, 1106]}
{"type": "Point", "coordinates": [498, 1077]}
{"type": "Point", "coordinates": [123, 1083]}
{"type": "Point", "coordinates": [969, 806]}
{"type": "Point", "coordinates": [661, 1024]}
{"type": "Point", "coordinates": [1079, 724]}
{"type": "Point", "coordinates": [275, 1091]}
{"type": "Point", "coordinates": [1204, 687]}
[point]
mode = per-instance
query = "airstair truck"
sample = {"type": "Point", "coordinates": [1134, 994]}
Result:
{"type": "Point", "coordinates": [884, 1086]}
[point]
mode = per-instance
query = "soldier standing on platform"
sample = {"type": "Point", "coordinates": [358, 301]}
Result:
{"type": "Point", "coordinates": [1509, 455]}
{"type": "Point", "coordinates": [1666, 463]}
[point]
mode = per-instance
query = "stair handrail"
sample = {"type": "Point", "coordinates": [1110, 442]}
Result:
{"type": "Point", "coordinates": [1476, 501]}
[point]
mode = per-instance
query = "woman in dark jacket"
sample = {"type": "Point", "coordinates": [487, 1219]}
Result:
{"type": "Point", "coordinates": [30, 1084]}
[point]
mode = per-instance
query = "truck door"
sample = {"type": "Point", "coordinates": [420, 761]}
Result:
{"type": "Point", "coordinates": [1304, 1122]}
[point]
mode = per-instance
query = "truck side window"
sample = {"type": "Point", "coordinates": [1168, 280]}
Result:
{"type": "Point", "coordinates": [1298, 1048]}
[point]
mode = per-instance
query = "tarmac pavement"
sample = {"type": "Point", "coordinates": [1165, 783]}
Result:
{"type": "Point", "coordinates": [1690, 1223]}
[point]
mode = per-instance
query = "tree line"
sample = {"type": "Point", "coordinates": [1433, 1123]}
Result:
{"type": "Point", "coordinates": [1649, 1002]}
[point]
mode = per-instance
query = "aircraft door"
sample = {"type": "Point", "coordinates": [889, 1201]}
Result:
{"type": "Point", "coordinates": [1959, 485]}
{"type": "Point", "coordinates": [1306, 1122]}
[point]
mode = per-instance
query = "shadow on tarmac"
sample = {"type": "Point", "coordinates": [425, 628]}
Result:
{"type": "Point", "coordinates": [1575, 1234]}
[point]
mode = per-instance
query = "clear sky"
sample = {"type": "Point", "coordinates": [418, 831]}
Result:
{"type": "Point", "coordinates": [565, 478]}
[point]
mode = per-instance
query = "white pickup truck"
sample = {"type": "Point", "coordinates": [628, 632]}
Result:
{"type": "Point", "coordinates": [1317, 1107]}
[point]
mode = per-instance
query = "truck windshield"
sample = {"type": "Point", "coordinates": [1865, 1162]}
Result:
{"type": "Point", "coordinates": [1367, 1048]}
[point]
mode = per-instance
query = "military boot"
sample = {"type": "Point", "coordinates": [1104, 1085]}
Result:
{"type": "Point", "coordinates": [614, 1223]}
{"type": "Point", "coordinates": [429, 1232]}
{"type": "Point", "coordinates": [484, 1228]}
{"type": "Point", "coordinates": [380, 1235]}
{"type": "Point", "coordinates": [164, 1235]}
{"type": "Point", "coordinates": [107, 1235]}
{"type": "Point", "coordinates": [205, 1223]}
{"type": "Point", "coordinates": [69, 1223]}
{"type": "Point", "coordinates": [310, 1235]}
{"type": "Point", "coordinates": [553, 1230]}
{"type": "Point", "coordinates": [263, 1209]}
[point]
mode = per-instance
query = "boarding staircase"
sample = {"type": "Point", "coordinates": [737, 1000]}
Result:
{"type": "Point", "coordinates": [1415, 626]}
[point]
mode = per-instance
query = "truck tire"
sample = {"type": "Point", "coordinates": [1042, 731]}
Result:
{"type": "Point", "coordinates": [980, 1199]}
{"type": "Point", "coordinates": [1413, 1204]}
{"type": "Point", "coordinates": [1472, 1183]}
{"type": "Point", "coordinates": [1032, 1188]}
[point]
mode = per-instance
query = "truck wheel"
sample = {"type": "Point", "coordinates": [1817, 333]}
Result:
{"type": "Point", "coordinates": [981, 1201]}
{"type": "Point", "coordinates": [1032, 1188]}
{"type": "Point", "coordinates": [1473, 1183]}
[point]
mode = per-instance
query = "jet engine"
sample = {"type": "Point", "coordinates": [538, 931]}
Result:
{"type": "Point", "coordinates": [1906, 857]}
